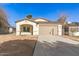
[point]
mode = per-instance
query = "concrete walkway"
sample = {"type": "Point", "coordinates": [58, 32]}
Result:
{"type": "Point", "coordinates": [56, 46]}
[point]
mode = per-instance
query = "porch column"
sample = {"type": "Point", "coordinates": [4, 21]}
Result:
{"type": "Point", "coordinates": [35, 29]}
{"type": "Point", "coordinates": [17, 29]}
{"type": "Point", "coordinates": [60, 30]}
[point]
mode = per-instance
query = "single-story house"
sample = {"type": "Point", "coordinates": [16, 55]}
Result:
{"type": "Point", "coordinates": [38, 26]}
{"type": "Point", "coordinates": [41, 26]}
{"type": "Point", "coordinates": [74, 29]}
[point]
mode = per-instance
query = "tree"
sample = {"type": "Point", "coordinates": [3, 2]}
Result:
{"type": "Point", "coordinates": [62, 19]}
{"type": "Point", "coordinates": [29, 16]}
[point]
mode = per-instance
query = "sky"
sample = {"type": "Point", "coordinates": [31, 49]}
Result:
{"type": "Point", "coordinates": [50, 11]}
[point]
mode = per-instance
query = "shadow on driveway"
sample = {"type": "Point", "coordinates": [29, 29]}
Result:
{"type": "Point", "coordinates": [57, 48]}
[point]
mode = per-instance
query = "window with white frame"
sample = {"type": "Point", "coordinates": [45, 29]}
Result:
{"type": "Point", "coordinates": [26, 29]}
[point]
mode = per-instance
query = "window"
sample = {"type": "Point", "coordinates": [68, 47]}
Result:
{"type": "Point", "coordinates": [26, 29]}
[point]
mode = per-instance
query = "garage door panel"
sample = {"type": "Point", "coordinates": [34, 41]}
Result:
{"type": "Point", "coordinates": [45, 30]}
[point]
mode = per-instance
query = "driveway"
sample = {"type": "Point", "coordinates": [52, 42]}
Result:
{"type": "Point", "coordinates": [56, 46]}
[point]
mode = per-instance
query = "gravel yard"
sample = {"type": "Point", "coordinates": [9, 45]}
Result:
{"type": "Point", "coordinates": [12, 45]}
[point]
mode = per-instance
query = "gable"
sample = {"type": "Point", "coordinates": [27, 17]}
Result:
{"type": "Point", "coordinates": [40, 20]}
{"type": "Point", "coordinates": [25, 22]}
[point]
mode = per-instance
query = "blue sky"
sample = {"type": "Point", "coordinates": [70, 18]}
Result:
{"type": "Point", "coordinates": [50, 11]}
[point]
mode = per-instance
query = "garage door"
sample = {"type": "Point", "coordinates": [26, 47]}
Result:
{"type": "Point", "coordinates": [45, 30]}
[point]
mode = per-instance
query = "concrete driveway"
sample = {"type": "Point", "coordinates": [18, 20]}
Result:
{"type": "Point", "coordinates": [56, 46]}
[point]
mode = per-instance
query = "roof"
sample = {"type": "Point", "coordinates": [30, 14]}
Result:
{"type": "Point", "coordinates": [33, 20]}
{"type": "Point", "coordinates": [74, 24]}
{"type": "Point", "coordinates": [25, 19]}
{"type": "Point", "coordinates": [41, 18]}
{"type": "Point", "coordinates": [48, 22]}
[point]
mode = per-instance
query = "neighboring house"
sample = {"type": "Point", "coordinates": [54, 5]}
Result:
{"type": "Point", "coordinates": [74, 29]}
{"type": "Point", "coordinates": [4, 25]}
{"type": "Point", "coordinates": [71, 29]}
{"type": "Point", "coordinates": [12, 29]}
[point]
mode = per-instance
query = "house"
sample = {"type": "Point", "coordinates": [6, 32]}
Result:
{"type": "Point", "coordinates": [4, 25]}
{"type": "Point", "coordinates": [41, 26]}
{"type": "Point", "coordinates": [12, 29]}
{"type": "Point", "coordinates": [74, 29]}
{"type": "Point", "coordinates": [38, 26]}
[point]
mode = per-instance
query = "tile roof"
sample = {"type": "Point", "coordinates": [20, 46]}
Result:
{"type": "Point", "coordinates": [33, 20]}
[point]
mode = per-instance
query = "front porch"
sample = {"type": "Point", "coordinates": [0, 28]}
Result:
{"type": "Point", "coordinates": [26, 29]}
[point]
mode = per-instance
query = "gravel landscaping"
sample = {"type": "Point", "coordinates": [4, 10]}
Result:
{"type": "Point", "coordinates": [12, 45]}
{"type": "Point", "coordinates": [17, 48]}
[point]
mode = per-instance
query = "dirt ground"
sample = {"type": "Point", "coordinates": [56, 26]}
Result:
{"type": "Point", "coordinates": [12, 45]}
